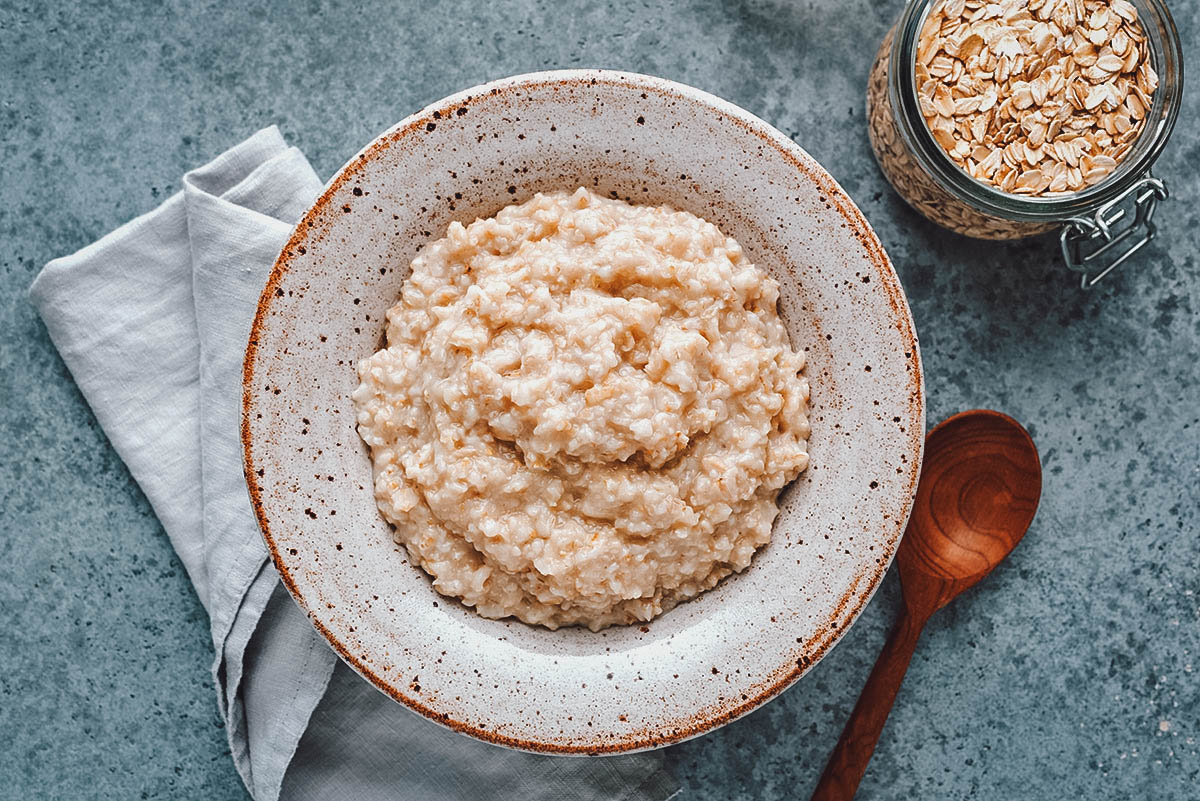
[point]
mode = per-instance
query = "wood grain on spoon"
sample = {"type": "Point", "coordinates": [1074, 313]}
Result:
{"type": "Point", "coordinates": [979, 489]}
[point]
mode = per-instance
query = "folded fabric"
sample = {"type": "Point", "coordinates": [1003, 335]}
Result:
{"type": "Point", "coordinates": [152, 321]}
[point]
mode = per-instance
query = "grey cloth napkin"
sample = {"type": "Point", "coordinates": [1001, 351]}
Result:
{"type": "Point", "coordinates": [152, 320]}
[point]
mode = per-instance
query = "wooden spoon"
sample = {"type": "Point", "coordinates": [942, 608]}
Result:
{"type": "Point", "coordinates": [979, 489]}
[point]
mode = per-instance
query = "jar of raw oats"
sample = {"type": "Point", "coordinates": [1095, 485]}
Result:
{"type": "Point", "coordinates": [1005, 119]}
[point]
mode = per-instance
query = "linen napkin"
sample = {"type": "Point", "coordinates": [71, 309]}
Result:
{"type": "Point", "coordinates": [152, 321]}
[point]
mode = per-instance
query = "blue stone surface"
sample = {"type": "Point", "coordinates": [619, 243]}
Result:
{"type": "Point", "coordinates": [1072, 672]}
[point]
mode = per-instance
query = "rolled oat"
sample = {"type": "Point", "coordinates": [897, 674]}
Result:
{"type": "Point", "coordinates": [1035, 97]}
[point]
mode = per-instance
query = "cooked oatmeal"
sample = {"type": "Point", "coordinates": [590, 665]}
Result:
{"type": "Point", "coordinates": [585, 411]}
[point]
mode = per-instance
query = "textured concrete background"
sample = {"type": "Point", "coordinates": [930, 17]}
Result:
{"type": "Point", "coordinates": [1072, 672]}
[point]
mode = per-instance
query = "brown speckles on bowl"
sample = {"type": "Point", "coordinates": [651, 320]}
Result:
{"type": "Point", "coordinates": [573, 691]}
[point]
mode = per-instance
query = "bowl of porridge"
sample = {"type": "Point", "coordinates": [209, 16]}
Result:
{"type": "Point", "coordinates": [583, 412]}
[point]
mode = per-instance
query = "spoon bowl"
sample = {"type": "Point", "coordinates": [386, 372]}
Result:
{"type": "Point", "coordinates": [979, 490]}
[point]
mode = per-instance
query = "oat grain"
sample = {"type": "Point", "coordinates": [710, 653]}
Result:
{"type": "Point", "coordinates": [1037, 82]}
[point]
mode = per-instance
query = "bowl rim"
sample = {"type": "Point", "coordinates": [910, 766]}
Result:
{"type": "Point", "coordinates": [839, 200]}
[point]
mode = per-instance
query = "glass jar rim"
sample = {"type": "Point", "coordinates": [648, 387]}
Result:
{"type": "Point", "coordinates": [1166, 54]}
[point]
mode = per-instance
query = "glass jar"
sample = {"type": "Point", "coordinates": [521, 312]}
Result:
{"type": "Point", "coordinates": [1101, 225]}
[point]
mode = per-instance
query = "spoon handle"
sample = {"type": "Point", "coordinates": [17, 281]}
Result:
{"type": "Point", "coordinates": [849, 759]}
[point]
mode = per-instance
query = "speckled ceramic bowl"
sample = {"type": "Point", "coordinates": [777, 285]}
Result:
{"type": "Point", "coordinates": [705, 662]}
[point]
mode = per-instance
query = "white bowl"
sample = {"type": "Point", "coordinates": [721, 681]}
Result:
{"type": "Point", "coordinates": [707, 661]}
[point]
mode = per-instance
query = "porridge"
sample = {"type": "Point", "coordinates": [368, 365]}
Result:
{"type": "Point", "coordinates": [585, 411]}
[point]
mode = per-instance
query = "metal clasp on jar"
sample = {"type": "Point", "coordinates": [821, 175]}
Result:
{"type": "Point", "coordinates": [1098, 245]}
